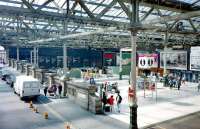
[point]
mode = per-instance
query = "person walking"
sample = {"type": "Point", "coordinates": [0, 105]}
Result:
{"type": "Point", "coordinates": [171, 83]}
{"type": "Point", "coordinates": [183, 80]}
{"type": "Point", "coordinates": [45, 90]}
{"type": "Point", "coordinates": [54, 90]}
{"type": "Point", "coordinates": [166, 80]}
{"type": "Point", "coordinates": [104, 100]}
{"type": "Point", "coordinates": [198, 86]}
{"type": "Point", "coordinates": [59, 90]}
{"type": "Point", "coordinates": [179, 82]}
{"type": "Point", "coordinates": [111, 103]}
{"type": "Point", "coordinates": [118, 100]}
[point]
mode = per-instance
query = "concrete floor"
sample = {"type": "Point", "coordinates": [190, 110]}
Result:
{"type": "Point", "coordinates": [16, 114]}
{"type": "Point", "coordinates": [170, 104]}
{"type": "Point", "coordinates": [188, 122]}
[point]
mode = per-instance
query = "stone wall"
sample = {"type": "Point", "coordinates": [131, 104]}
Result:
{"type": "Point", "coordinates": [81, 93]}
{"type": "Point", "coordinates": [84, 95]}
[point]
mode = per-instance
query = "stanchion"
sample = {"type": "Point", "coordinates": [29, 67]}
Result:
{"type": "Point", "coordinates": [45, 114]}
{"type": "Point", "coordinates": [35, 109]}
{"type": "Point", "coordinates": [31, 104]}
{"type": "Point", "coordinates": [67, 126]}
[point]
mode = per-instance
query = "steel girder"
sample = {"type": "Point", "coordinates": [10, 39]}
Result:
{"type": "Point", "coordinates": [92, 19]}
{"type": "Point", "coordinates": [15, 11]}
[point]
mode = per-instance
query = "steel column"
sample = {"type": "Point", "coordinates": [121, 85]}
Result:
{"type": "Point", "coordinates": [134, 24]}
{"type": "Point", "coordinates": [17, 53]}
{"type": "Point", "coordinates": [34, 56]}
{"type": "Point", "coordinates": [64, 57]}
{"type": "Point", "coordinates": [164, 55]}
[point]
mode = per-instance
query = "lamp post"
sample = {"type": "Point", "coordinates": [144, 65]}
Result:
{"type": "Point", "coordinates": [134, 26]}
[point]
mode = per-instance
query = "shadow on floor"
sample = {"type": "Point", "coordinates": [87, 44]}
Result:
{"type": "Point", "coordinates": [182, 104]}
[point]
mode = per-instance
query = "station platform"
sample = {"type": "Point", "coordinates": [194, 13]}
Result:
{"type": "Point", "coordinates": [166, 105]}
{"type": "Point", "coordinates": [152, 109]}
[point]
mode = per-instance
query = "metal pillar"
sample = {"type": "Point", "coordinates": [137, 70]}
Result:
{"type": "Point", "coordinates": [65, 30]}
{"type": "Point", "coordinates": [37, 59]}
{"type": "Point", "coordinates": [134, 26]}
{"type": "Point", "coordinates": [133, 109]}
{"type": "Point", "coordinates": [31, 52]}
{"type": "Point", "coordinates": [17, 53]}
{"type": "Point", "coordinates": [120, 66]}
{"type": "Point", "coordinates": [7, 55]}
{"type": "Point", "coordinates": [64, 57]}
{"type": "Point", "coordinates": [164, 55]}
{"type": "Point", "coordinates": [34, 56]}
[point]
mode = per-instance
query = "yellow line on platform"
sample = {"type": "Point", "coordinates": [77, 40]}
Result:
{"type": "Point", "coordinates": [56, 114]}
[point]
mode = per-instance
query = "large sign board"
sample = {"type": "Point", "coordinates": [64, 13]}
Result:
{"type": "Point", "coordinates": [174, 59]}
{"type": "Point", "coordinates": [125, 54]}
{"type": "Point", "coordinates": [195, 59]}
{"type": "Point", "coordinates": [109, 58]}
{"type": "Point", "coordinates": [147, 61]}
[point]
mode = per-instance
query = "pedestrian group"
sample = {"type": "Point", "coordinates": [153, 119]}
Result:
{"type": "Point", "coordinates": [52, 90]}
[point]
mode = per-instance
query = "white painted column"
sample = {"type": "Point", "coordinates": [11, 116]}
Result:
{"type": "Point", "coordinates": [165, 51]}
{"type": "Point", "coordinates": [31, 53]}
{"type": "Point", "coordinates": [17, 53]}
{"type": "Point", "coordinates": [120, 64]}
{"type": "Point", "coordinates": [64, 57]}
{"type": "Point", "coordinates": [34, 56]}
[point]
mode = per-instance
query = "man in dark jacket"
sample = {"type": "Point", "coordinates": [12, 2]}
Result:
{"type": "Point", "coordinates": [45, 90]}
{"type": "Point", "coordinates": [119, 100]}
{"type": "Point", "coordinates": [104, 100]}
{"type": "Point", "coordinates": [59, 90]}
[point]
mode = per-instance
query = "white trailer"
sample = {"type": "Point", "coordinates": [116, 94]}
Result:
{"type": "Point", "coordinates": [27, 86]}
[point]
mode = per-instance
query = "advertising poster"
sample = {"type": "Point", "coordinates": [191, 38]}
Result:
{"type": "Point", "coordinates": [109, 58]}
{"type": "Point", "coordinates": [195, 59]}
{"type": "Point", "coordinates": [147, 61]}
{"type": "Point", "coordinates": [174, 60]}
{"type": "Point", "coordinates": [126, 62]}
{"type": "Point", "coordinates": [118, 59]}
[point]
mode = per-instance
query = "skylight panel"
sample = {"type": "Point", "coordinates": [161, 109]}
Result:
{"type": "Point", "coordinates": [121, 20]}
{"type": "Point", "coordinates": [123, 14]}
{"type": "Point", "coordinates": [107, 18]}
{"type": "Point", "coordinates": [196, 3]}
{"type": "Point", "coordinates": [13, 4]}
{"type": "Point", "coordinates": [188, 1]}
{"type": "Point", "coordinates": [91, 7]}
{"type": "Point", "coordinates": [99, 9]}
{"type": "Point", "coordinates": [78, 7]}
{"type": "Point", "coordinates": [49, 10]}
{"type": "Point", "coordinates": [151, 17]}
{"type": "Point", "coordinates": [143, 8]}
{"type": "Point", "coordinates": [112, 12]}
{"type": "Point", "coordinates": [107, 1]}
{"type": "Point", "coordinates": [40, 2]}
{"type": "Point", "coordinates": [3, 3]}
{"type": "Point", "coordinates": [52, 5]}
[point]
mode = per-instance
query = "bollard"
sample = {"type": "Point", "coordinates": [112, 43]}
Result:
{"type": "Point", "coordinates": [35, 109]}
{"type": "Point", "coordinates": [31, 104]}
{"type": "Point", "coordinates": [67, 126]}
{"type": "Point", "coordinates": [45, 115]}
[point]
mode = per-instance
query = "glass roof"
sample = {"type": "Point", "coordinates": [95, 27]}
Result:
{"type": "Point", "coordinates": [192, 2]}
{"type": "Point", "coordinates": [96, 7]}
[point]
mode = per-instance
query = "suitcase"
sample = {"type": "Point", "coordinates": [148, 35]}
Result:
{"type": "Point", "coordinates": [107, 108]}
